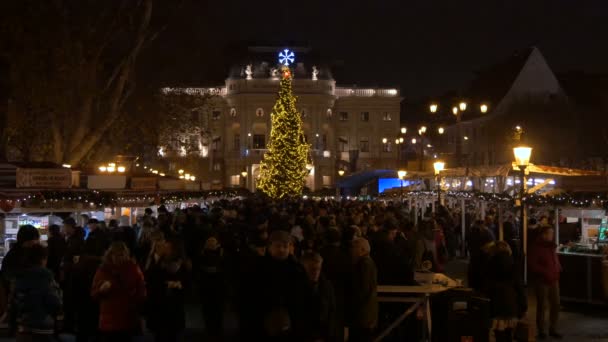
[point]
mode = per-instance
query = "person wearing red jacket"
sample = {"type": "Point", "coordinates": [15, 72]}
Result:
{"type": "Point", "coordinates": [545, 268]}
{"type": "Point", "coordinates": [120, 289]}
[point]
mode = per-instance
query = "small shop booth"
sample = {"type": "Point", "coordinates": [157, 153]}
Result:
{"type": "Point", "coordinates": [583, 239]}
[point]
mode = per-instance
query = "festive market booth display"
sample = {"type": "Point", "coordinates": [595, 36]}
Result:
{"type": "Point", "coordinates": [582, 259]}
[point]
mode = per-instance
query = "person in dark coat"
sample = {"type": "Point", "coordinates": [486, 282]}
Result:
{"type": "Point", "coordinates": [87, 309]}
{"type": "Point", "coordinates": [56, 246]}
{"type": "Point", "coordinates": [364, 296]}
{"type": "Point", "coordinates": [15, 260]}
{"type": "Point", "coordinates": [278, 290]}
{"type": "Point", "coordinates": [210, 272]}
{"type": "Point", "coordinates": [74, 236]}
{"type": "Point", "coordinates": [477, 238]}
{"type": "Point", "coordinates": [337, 268]}
{"type": "Point", "coordinates": [545, 270]}
{"type": "Point", "coordinates": [319, 310]}
{"type": "Point", "coordinates": [502, 285]}
{"type": "Point", "coordinates": [167, 276]}
{"type": "Point", "coordinates": [393, 266]}
{"type": "Point", "coordinates": [36, 300]}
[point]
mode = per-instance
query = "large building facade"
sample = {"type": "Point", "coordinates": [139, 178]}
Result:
{"type": "Point", "coordinates": [348, 128]}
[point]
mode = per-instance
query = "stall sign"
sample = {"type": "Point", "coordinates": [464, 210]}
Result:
{"type": "Point", "coordinates": [44, 178]}
{"type": "Point", "coordinates": [38, 222]}
{"type": "Point", "coordinates": [107, 182]}
{"type": "Point", "coordinates": [171, 184]}
{"type": "Point", "coordinates": [143, 183]}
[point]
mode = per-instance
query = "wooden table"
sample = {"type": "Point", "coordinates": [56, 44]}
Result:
{"type": "Point", "coordinates": [418, 295]}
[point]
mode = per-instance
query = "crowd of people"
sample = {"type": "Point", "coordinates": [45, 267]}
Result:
{"type": "Point", "coordinates": [292, 270]}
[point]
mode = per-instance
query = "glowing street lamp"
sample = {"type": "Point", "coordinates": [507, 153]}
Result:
{"type": "Point", "coordinates": [401, 140]}
{"type": "Point", "coordinates": [403, 130]}
{"type": "Point", "coordinates": [433, 108]}
{"type": "Point", "coordinates": [244, 174]}
{"type": "Point", "coordinates": [522, 156]}
{"type": "Point", "coordinates": [455, 110]}
{"type": "Point", "coordinates": [401, 174]}
{"type": "Point", "coordinates": [438, 166]}
{"type": "Point", "coordinates": [192, 178]}
{"type": "Point", "coordinates": [462, 106]}
{"type": "Point", "coordinates": [121, 169]}
{"type": "Point", "coordinates": [340, 173]}
{"type": "Point", "coordinates": [440, 130]}
{"type": "Point", "coordinates": [181, 172]}
{"type": "Point", "coordinates": [397, 141]}
{"type": "Point", "coordinates": [111, 168]}
{"type": "Point", "coordinates": [423, 129]}
{"type": "Point", "coordinates": [384, 140]}
{"type": "Point", "coordinates": [413, 140]}
{"type": "Point", "coordinates": [483, 108]}
{"type": "Point", "coordinates": [103, 168]}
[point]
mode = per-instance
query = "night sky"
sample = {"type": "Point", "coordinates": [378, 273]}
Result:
{"type": "Point", "coordinates": [424, 47]}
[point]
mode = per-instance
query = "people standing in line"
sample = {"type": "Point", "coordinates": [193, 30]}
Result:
{"type": "Point", "coordinates": [503, 286]}
{"type": "Point", "coordinates": [319, 310]}
{"type": "Point", "coordinates": [167, 276]}
{"type": "Point", "coordinates": [57, 247]}
{"type": "Point", "coordinates": [544, 267]}
{"type": "Point", "coordinates": [210, 274]}
{"type": "Point", "coordinates": [120, 289]}
{"type": "Point", "coordinates": [364, 296]}
{"type": "Point", "coordinates": [36, 299]}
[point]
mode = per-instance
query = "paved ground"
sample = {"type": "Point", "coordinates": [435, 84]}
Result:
{"type": "Point", "coordinates": [582, 323]}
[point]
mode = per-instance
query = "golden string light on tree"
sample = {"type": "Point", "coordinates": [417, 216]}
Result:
{"type": "Point", "coordinates": [283, 167]}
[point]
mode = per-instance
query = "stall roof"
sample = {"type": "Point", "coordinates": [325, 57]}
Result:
{"type": "Point", "coordinates": [504, 169]}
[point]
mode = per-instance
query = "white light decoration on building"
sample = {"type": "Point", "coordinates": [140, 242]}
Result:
{"type": "Point", "coordinates": [326, 154]}
{"type": "Point", "coordinates": [161, 151]}
{"type": "Point", "coordinates": [287, 57]}
{"type": "Point", "coordinates": [182, 151]}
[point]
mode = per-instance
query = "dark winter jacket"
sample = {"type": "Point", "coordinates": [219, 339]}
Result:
{"type": "Point", "coordinates": [364, 298]}
{"type": "Point", "coordinates": [35, 301]}
{"type": "Point", "coordinates": [56, 247]}
{"type": "Point", "coordinates": [165, 306]}
{"type": "Point", "coordinates": [503, 287]}
{"type": "Point", "coordinates": [543, 262]}
{"type": "Point", "coordinates": [319, 313]}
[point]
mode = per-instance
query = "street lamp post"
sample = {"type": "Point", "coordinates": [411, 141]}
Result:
{"type": "Point", "coordinates": [438, 166]}
{"type": "Point", "coordinates": [244, 176]}
{"type": "Point", "coordinates": [522, 160]}
{"type": "Point", "coordinates": [401, 174]}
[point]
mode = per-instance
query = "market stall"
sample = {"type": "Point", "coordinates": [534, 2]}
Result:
{"type": "Point", "coordinates": [583, 271]}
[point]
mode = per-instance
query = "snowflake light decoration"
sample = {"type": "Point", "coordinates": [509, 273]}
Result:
{"type": "Point", "coordinates": [286, 57]}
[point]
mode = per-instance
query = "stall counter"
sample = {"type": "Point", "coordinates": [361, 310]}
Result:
{"type": "Point", "coordinates": [583, 277]}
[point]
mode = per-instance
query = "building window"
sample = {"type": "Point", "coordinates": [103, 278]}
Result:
{"type": "Point", "coordinates": [386, 116]}
{"type": "Point", "coordinates": [217, 167]}
{"type": "Point", "coordinates": [259, 112]}
{"type": "Point", "coordinates": [387, 147]}
{"type": "Point", "coordinates": [365, 116]}
{"type": "Point", "coordinates": [343, 116]}
{"type": "Point", "coordinates": [364, 145]}
{"type": "Point", "coordinates": [324, 142]}
{"type": "Point", "coordinates": [326, 180]}
{"type": "Point", "coordinates": [236, 143]}
{"type": "Point", "coordinates": [235, 180]}
{"type": "Point", "coordinates": [259, 141]}
{"type": "Point", "coordinates": [329, 113]}
{"type": "Point", "coordinates": [233, 112]}
{"type": "Point", "coordinates": [342, 144]}
{"type": "Point", "coordinates": [195, 115]}
{"type": "Point", "coordinates": [216, 115]}
{"type": "Point", "coordinates": [216, 144]}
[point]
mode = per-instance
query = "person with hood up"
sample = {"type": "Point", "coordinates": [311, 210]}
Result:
{"type": "Point", "coordinates": [36, 299]}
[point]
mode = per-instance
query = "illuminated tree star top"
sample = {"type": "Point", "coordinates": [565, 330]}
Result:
{"type": "Point", "coordinates": [286, 57]}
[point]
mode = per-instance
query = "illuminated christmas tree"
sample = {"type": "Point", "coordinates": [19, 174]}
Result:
{"type": "Point", "coordinates": [283, 167]}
